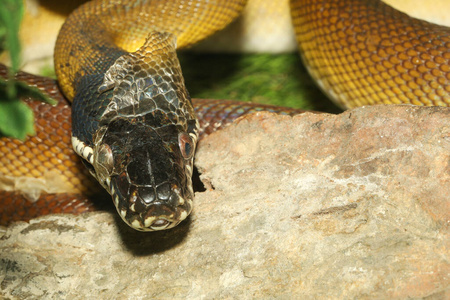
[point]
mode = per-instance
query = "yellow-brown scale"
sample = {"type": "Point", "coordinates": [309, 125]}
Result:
{"type": "Point", "coordinates": [42, 174]}
{"type": "Point", "coordinates": [364, 52]}
{"type": "Point", "coordinates": [44, 163]}
{"type": "Point", "coordinates": [102, 27]}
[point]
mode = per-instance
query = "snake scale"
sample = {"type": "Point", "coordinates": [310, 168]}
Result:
{"type": "Point", "coordinates": [134, 124]}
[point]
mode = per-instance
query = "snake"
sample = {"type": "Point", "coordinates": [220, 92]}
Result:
{"type": "Point", "coordinates": [133, 125]}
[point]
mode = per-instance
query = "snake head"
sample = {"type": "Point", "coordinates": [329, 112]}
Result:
{"type": "Point", "coordinates": [147, 170]}
{"type": "Point", "coordinates": [137, 128]}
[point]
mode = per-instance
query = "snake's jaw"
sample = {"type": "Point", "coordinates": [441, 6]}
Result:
{"type": "Point", "coordinates": [148, 173]}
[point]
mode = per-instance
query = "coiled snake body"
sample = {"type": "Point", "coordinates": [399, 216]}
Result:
{"type": "Point", "coordinates": [133, 122]}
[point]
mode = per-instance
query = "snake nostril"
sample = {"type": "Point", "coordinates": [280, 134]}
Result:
{"type": "Point", "coordinates": [174, 200]}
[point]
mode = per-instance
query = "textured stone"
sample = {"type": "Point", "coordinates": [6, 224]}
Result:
{"type": "Point", "coordinates": [343, 206]}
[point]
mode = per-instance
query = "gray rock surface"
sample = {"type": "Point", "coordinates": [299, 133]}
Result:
{"type": "Point", "coordinates": [349, 206]}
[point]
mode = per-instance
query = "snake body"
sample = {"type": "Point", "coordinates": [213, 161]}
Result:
{"type": "Point", "coordinates": [133, 121]}
{"type": "Point", "coordinates": [364, 52]}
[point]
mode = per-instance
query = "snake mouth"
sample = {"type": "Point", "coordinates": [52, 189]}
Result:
{"type": "Point", "coordinates": [160, 224]}
{"type": "Point", "coordinates": [157, 217]}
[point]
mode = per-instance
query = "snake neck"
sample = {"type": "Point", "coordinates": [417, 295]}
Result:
{"type": "Point", "coordinates": [99, 31]}
{"type": "Point", "coordinates": [146, 81]}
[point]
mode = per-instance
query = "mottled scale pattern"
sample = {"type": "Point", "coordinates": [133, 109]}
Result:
{"type": "Point", "coordinates": [147, 80]}
{"type": "Point", "coordinates": [100, 31]}
{"type": "Point", "coordinates": [213, 115]}
{"type": "Point", "coordinates": [365, 52]}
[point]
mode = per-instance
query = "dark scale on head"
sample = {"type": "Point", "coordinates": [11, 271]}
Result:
{"type": "Point", "coordinates": [144, 136]}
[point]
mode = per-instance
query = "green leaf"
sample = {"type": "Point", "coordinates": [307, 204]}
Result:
{"type": "Point", "coordinates": [25, 90]}
{"type": "Point", "coordinates": [11, 12]}
{"type": "Point", "coordinates": [16, 119]}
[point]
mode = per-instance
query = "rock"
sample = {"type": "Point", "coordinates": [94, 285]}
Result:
{"type": "Point", "coordinates": [343, 206]}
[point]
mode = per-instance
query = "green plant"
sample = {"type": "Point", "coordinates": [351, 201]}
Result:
{"type": "Point", "coordinates": [16, 118]}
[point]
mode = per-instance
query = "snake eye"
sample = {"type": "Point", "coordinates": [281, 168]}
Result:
{"type": "Point", "coordinates": [105, 158]}
{"type": "Point", "coordinates": [186, 144]}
